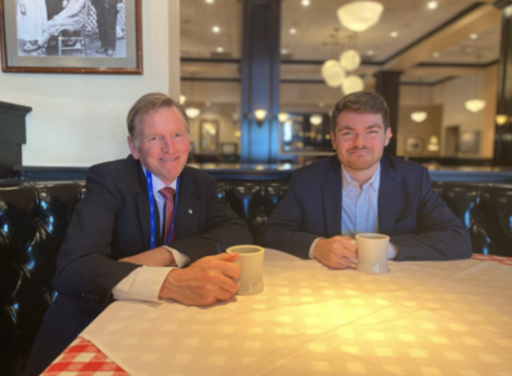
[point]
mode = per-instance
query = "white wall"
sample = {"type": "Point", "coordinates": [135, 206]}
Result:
{"type": "Point", "coordinates": [79, 120]}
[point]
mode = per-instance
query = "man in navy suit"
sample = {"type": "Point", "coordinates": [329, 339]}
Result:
{"type": "Point", "coordinates": [115, 247]}
{"type": "Point", "coordinates": [363, 190]}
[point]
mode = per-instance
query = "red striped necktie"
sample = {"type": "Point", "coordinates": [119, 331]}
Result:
{"type": "Point", "coordinates": [168, 194]}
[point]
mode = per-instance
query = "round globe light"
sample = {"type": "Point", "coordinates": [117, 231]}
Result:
{"type": "Point", "coordinates": [350, 60]}
{"type": "Point", "coordinates": [352, 84]}
{"type": "Point", "coordinates": [192, 112]}
{"type": "Point", "coordinates": [333, 73]}
{"type": "Point", "coordinates": [475, 105]}
{"type": "Point", "coordinates": [419, 116]}
{"type": "Point", "coordinates": [315, 119]}
{"type": "Point", "coordinates": [360, 15]}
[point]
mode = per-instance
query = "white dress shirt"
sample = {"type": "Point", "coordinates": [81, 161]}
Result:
{"type": "Point", "coordinates": [145, 283]}
{"type": "Point", "coordinates": [359, 208]}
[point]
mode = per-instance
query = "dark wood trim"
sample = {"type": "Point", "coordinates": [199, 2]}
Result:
{"type": "Point", "coordinates": [210, 79]}
{"type": "Point", "coordinates": [209, 60]}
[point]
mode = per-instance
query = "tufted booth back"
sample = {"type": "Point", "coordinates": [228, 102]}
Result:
{"type": "Point", "coordinates": [34, 218]}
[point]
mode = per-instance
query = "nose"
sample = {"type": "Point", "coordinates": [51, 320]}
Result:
{"type": "Point", "coordinates": [167, 145]}
{"type": "Point", "coordinates": [359, 140]}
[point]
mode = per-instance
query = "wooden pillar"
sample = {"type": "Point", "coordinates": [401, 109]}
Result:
{"type": "Point", "coordinates": [260, 80]}
{"type": "Point", "coordinates": [12, 133]}
{"type": "Point", "coordinates": [388, 86]}
{"type": "Point", "coordinates": [503, 133]}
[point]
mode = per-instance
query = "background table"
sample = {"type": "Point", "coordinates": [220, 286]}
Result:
{"type": "Point", "coordinates": [422, 318]}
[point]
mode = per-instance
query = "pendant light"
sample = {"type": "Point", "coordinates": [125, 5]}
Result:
{"type": "Point", "coordinates": [359, 16]}
{"type": "Point", "coordinates": [476, 105]}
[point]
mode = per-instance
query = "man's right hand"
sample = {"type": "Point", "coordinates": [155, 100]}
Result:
{"type": "Point", "coordinates": [336, 252]}
{"type": "Point", "coordinates": [204, 282]}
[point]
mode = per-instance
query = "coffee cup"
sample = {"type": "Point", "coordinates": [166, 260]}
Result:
{"type": "Point", "coordinates": [250, 260]}
{"type": "Point", "coordinates": [372, 253]}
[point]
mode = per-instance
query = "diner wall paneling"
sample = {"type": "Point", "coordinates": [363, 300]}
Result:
{"type": "Point", "coordinates": [260, 80]}
{"type": "Point", "coordinates": [453, 94]}
{"type": "Point", "coordinates": [388, 85]}
{"type": "Point", "coordinates": [12, 133]}
{"type": "Point", "coordinates": [503, 139]}
{"type": "Point", "coordinates": [79, 120]}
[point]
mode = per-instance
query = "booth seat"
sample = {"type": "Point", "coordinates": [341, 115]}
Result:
{"type": "Point", "coordinates": [34, 217]}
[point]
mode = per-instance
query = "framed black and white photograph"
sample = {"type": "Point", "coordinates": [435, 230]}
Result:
{"type": "Point", "coordinates": [413, 145]}
{"type": "Point", "coordinates": [71, 36]}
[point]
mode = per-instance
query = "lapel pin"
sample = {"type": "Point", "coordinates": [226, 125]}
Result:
{"type": "Point", "coordinates": [190, 211]}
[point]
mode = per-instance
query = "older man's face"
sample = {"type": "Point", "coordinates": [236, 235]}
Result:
{"type": "Point", "coordinates": [162, 143]}
{"type": "Point", "coordinates": [359, 140]}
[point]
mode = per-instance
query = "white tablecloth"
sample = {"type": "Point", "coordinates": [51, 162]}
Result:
{"type": "Point", "coordinates": [423, 318]}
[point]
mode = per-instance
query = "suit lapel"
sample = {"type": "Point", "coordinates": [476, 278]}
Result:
{"type": "Point", "coordinates": [331, 193]}
{"type": "Point", "coordinates": [188, 207]}
{"type": "Point", "coordinates": [389, 192]}
{"type": "Point", "coordinates": [144, 214]}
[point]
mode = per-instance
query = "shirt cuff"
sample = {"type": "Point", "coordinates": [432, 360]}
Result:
{"type": "Point", "coordinates": [180, 258]}
{"type": "Point", "coordinates": [142, 284]}
{"type": "Point", "coordinates": [392, 251]}
{"type": "Point", "coordinates": [312, 248]}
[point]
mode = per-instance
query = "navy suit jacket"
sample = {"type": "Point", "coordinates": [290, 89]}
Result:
{"type": "Point", "coordinates": [418, 221]}
{"type": "Point", "coordinates": [113, 221]}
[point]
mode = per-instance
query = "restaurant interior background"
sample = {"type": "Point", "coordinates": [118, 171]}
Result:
{"type": "Point", "coordinates": [433, 56]}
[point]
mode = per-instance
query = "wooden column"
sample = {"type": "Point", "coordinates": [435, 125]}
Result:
{"type": "Point", "coordinates": [388, 85]}
{"type": "Point", "coordinates": [260, 80]}
{"type": "Point", "coordinates": [12, 133]}
{"type": "Point", "coordinates": [503, 135]}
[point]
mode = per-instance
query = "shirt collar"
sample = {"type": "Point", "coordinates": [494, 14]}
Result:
{"type": "Point", "coordinates": [158, 184]}
{"type": "Point", "coordinates": [346, 180]}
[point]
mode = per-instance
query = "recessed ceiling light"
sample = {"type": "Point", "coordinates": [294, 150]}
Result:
{"type": "Point", "coordinates": [209, 1]}
{"type": "Point", "coordinates": [216, 29]}
{"type": "Point", "coordinates": [220, 50]}
{"type": "Point", "coordinates": [305, 3]}
{"type": "Point", "coordinates": [370, 53]}
{"type": "Point", "coordinates": [208, 103]}
{"type": "Point", "coordinates": [473, 36]}
{"type": "Point", "coordinates": [393, 34]}
{"type": "Point", "coordinates": [432, 5]}
{"type": "Point", "coordinates": [436, 54]}
{"type": "Point", "coordinates": [321, 104]}
{"type": "Point", "coordinates": [293, 31]}
{"type": "Point", "coordinates": [284, 51]}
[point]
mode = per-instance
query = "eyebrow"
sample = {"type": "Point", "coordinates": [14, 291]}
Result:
{"type": "Point", "coordinates": [348, 127]}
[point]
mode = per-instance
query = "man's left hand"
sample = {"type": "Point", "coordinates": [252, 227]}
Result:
{"type": "Point", "coordinates": [160, 256]}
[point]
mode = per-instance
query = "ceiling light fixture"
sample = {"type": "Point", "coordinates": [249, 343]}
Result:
{"type": "Point", "coordinates": [359, 16]}
{"type": "Point", "coordinates": [192, 112]}
{"type": "Point", "coordinates": [370, 53]}
{"type": "Point", "coordinates": [393, 34]}
{"type": "Point", "coordinates": [220, 50]}
{"type": "Point", "coordinates": [473, 36]}
{"type": "Point", "coordinates": [333, 73]}
{"type": "Point", "coordinates": [293, 31]}
{"type": "Point", "coordinates": [432, 5]}
{"type": "Point", "coordinates": [321, 104]}
{"type": "Point", "coordinates": [350, 60]}
{"type": "Point", "coordinates": [316, 119]}
{"type": "Point", "coordinates": [501, 119]}
{"type": "Point", "coordinates": [419, 116]}
{"type": "Point", "coordinates": [282, 117]}
{"type": "Point", "coordinates": [284, 51]}
{"type": "Point", "coordinates": [436, 54]}
{"type": "Point", "coordinates": [183, 99]}
{"type": "Point", "coordinates": [352, 84]}
{"type": "Point", "coordinates": [216, 29]}
{"type": "Point", "coordinates": [305, 3]}
{"type": "Point", "coordinates": [475, 105]}
{"type": "Point", "coordinates": [209, 1]}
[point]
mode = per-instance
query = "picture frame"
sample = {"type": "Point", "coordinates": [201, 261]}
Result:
{"type": "Point", "coordinates": [414, 145]}
{"type": "Point", "coordinates": [71, 36]}
{"type": "Point", "coordinates": [209, 136]}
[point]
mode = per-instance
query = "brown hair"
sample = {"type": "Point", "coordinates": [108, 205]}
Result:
{"type": "Point", "coordinates": [364, 102]}
{"type": "Point", "coordinates": [148, 103]}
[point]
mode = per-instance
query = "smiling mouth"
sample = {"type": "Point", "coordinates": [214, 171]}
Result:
{"type": "Point", "coordinates": [169, 159]}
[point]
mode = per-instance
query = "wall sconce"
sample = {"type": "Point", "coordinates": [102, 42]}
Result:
{"type": "Point", "coordinates": [501, 119]}
{"type": "Point", "coordinates": [283, 116]}
{"type": "Point", "coordinates": [260, 116]}
{"type": "Point", "coordinates": [183, 99]}
{"type": "Point", "coordinates": [316, 119]}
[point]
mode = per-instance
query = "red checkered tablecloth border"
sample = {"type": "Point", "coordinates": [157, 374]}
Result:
{"type": "Point", "coordinates": [84, 359]}
{"type": "Point", "coordinates": [500, 259]}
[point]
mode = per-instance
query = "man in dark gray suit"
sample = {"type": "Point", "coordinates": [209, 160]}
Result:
{"type": "Point", "coordinates": [363, 190]}
{"type": "Point", "coordinates": [125, 235]}
{"type": "Point", "coordinates": [106, 19]}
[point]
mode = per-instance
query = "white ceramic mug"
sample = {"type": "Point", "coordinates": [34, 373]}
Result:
{"type": "Point", "coordinates": [372, 253]}
{"type": "Point", "coordinates": [250, 280]}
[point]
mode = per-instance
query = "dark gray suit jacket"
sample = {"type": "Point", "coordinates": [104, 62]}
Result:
{"type": "Point", "coordinates": [418, 221]}
{"type": "Point", "coordinates": [112, 222]}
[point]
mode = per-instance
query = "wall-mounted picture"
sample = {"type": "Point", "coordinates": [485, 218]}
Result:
{"type": "Point", "coordinates": [71, 36]}
{"type": "Point", "coordinates": [469, 142]}
{"type": "Point", "coordinates": [414, 145]}
{"type": "Point", "coordinates": [209, 136]}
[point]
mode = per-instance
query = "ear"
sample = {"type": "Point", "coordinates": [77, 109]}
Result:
{"type": "Point", "coordinates": [333, 140]}
{"type": "Point", "coordinates": [133, 148]}
{"type": "Point", "coordinates": [387, 135]}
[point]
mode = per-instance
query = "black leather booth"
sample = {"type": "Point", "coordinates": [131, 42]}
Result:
{"type": "Point", "coordinates": [34, 217]}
